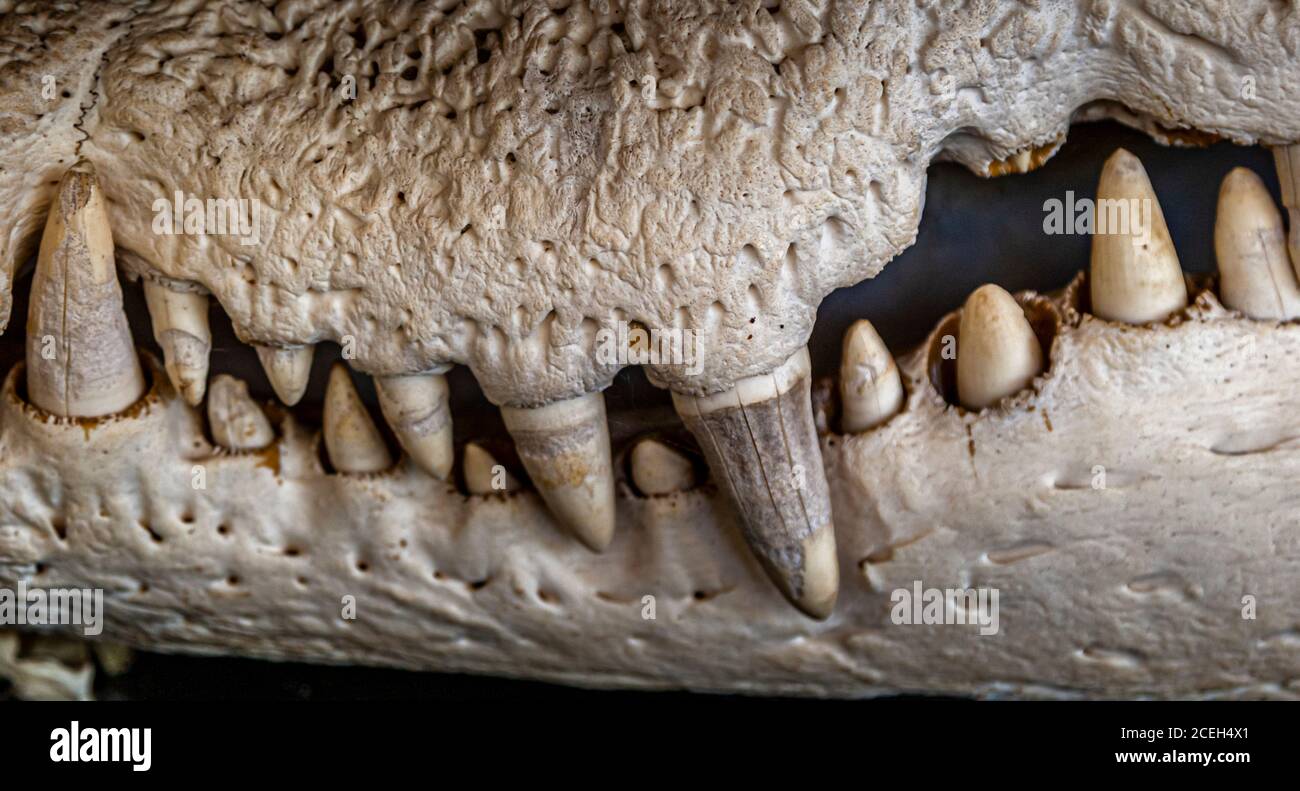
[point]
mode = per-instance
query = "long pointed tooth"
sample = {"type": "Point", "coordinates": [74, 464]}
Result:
{"type": "Point", "coordinates": [416, 409]}
{"type": "Point", "coordinates": [81, 360]}
{"type": "Point", "coordinates": [483, 475]}
{"type": "Point", "coordinates": [351, 437]}
{"type": "Point", "coordinates": [761, 444]}
{"type": "Point", "coordinates": [288, 368]}
{"type": "Point", "coordinates": [180, 325]}
{"type": "Point", "coordinates": [871, 390]}
{"type": "Point", "coordinates": [997, 351]}
{"type": "Point", "coordinates": [1287, 159]}
{"type": "Point", "coordinates": [1135, 275]}
{"type": "Point", "coordinates": [237, 422]}
{"type": "Point", "coordinates": [1255, 276]}
{"type": "Point", "coordinates": [658, 469]}
{"type": "Point", "coordinates": [565, 448]}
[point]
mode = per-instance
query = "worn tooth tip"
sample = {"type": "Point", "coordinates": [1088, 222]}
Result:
{"type": "Point", "coordinates": [998, 353]}
{"type": "Point", "coordinates": [483, 474]}
{"type": "Point", "coordinates": [81, 359]}
{"type": "Point", "coordinates": [658, 469]}
{"type": "Point", "coordinates": [1255, 276]}
{"type": "Point", "coordinates": [565, 448]}
{"type": "Point", "coordinates": [871, 389]}
{"type": "Point", "coordinates": [287, 369]}
{"type": "Point", "coordinates": [416, 409]}
{"type": "Point", "coordinates": [236, 421]}
{"type": "Point", "coordinates": [761, 443]}
{"type": "Point", "coordinates": [1134, 276]}
{"type": "Point", "coordinates": [352, 440]}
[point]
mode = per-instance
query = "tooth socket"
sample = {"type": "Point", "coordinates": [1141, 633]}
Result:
{"type": "Point", "coordinates": [762, 447]}
{"type": "Point", "coordinates": [565, 448]}
{"type": "Point", "coordinates": [81, 360]}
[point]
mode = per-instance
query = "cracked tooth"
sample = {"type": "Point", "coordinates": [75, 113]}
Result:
{"type": "Point", "coordinates": [237, 422]}
{"type": "Point", "coordinates": [288, 368]}
{"type": "Point", "coordinates": [761, 444]}
{"type": "Point", "coordinates": [871, 390]}
{"type": "Point", "coordinates": [1287, 160]}
{"type": "Point", "coordinates": [658, 469]}
{"type": "Point", "coordinates": [565, 448]}
{"type": "Point", "coordinates": [416, 408]}
{"type": "Point", "coordinates": [997, 351]}
{"type": "Point", "coordinates": [1135, 276]}
{"type": "Point", "coordinates": [81, 360]}
{"type": "Point", "coordinates": [1255, 276]}
{"type": "Point", "coordinates": [481, 472]}
{"type": "Point", "coordinates": [351, 437]}
{"type": "Point", "coordinates": [180, 325]}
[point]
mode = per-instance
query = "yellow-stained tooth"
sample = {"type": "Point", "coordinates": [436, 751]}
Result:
{"type": "Point", "coordinates": [351, 437]}
{"type": "Point", "coordinates": [565, 448]}
{"type": "Point", "coordinates": [997, 351]}
{"type": "Point", "coordinates": [81, 359]}
{"type": "Point", "coordinates": [658, 469]}
{"type": "Point", "coordinates": [1255, 275]}
{"type": "Point", "coordinates": [288, 368]}
{"type": "Point", "coordinates": [1135, 276]}
{"type": "Point", "coordinates": [483, 475]}
{"type": "Point", "coordinates": [415, 407]}
{"type": "Point", "coordinates": [871, 390]}
{"type": "Point", "coordinates": [180, 326]}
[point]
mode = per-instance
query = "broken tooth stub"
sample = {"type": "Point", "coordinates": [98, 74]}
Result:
{"type": "Point", "coordinates": [658, 469]}
{"type": "Point", "coordinates": [761, 444]}
{"type": "Point", "coordinates": [565, 448]}
{"type": "Point", "coordinates": [81, 360]}
{"type": "Point", "coordinates": [484, 474]}
{"type": "Point", "coordinates": [236, 421]}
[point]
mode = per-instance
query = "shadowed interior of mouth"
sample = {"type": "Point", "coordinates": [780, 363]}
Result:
{"type": "Point", "coordinates": [973, 231]}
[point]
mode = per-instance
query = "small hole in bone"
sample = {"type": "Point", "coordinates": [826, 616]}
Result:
{"type": "Point", "coordinates": [60, 527]}
{"type": "Point", "coordinates": [223, 530]}
{"type": "Point", "coordinates": [363, 566]}
{"type": "Point", "coordinates": [153, 534]}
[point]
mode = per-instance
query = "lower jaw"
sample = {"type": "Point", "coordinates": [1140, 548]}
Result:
{"type": "Point", "coordinates": [1119, 509]}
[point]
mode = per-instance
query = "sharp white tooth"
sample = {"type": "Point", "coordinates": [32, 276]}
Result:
{"type": "Point", "coordinates": [483, 475]}
{"type": "Point", "coordinates": [1135, 276]}
{"type": "Point", "coordinates": [760, 442]}
{"type": "Point", "coordinates": [658, 469]}
{"type": "Point", "coordinates": [180, 325]}
{"type": "Point", "coordinates": [416, 409]}
{"type": "Point", "coordinates": [237, 422]}
{"type": "Point", "coordinates": [81, 360]}
{"type": "Point", "coordinates": [351, 437]}
{"type": "Point", "coordinates": [288, 368]}
{"type": "Point", "coordinates": [565, 448]}
{"type": "Point", "coordinates": [997, 351]}
{"type": "Point", "coordinates": [1255, 276]}
{"type": "Point", "coordinates": [1287, 159]}
{"type": "Point", "coordinates": [871, 390]}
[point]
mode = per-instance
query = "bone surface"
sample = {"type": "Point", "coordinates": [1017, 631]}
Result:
{"type": "Point", "coordinates": [354, 443]}
{"type": "Point", "coordinates": [180, 326]}
{"type": "Point", "coordinates": [288, 370]}
{"type": "Point", "coordinates": [416, 409]}
{"type": "Point", "coordinates": [759, 440]}
{"type": "Point", "coordinates": [870, 388]}
{"type": "Point", "coordinates": [565, 448]}
{"type": "Point", "coordinates": [658, 469]}
{"type": "Point", "coordinates": [236, 421]}
{"type": "Point", "coordinates": [1255, 274]}
{"type": "Point", "coordinates": [81, 361]}
{"type": "Point", "coordinates": [1135, 276]}
{"type": "Point", "coordinates": [997, 351]}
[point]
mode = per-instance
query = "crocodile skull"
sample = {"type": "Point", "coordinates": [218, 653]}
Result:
{"type": "Point", "coordinates": [509, 186]}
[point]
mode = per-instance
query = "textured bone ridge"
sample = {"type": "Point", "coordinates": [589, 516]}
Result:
{"type": "Point", "coordinates": [499, 185]}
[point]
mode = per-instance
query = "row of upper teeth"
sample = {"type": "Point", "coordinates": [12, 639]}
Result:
{"type": "Point", "coordinates": [758, 437]}
{"type": "Point", "coordinates": [1134, 278]}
